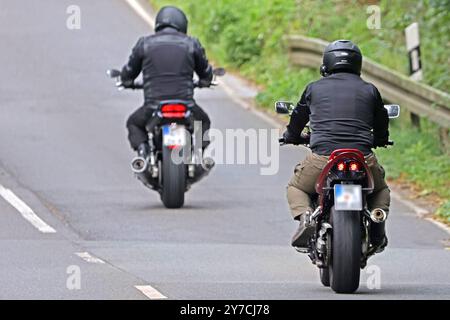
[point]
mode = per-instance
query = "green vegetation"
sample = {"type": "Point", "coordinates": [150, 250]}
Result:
{"type": "Point", "coordinates": [444, 212]}
{"type": "Point", "coordinates": [416, 158]}
{"type": "Point", "coordinates": [247, 36]}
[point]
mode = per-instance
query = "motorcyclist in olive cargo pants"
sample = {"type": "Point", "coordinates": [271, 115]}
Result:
{"type": "Point", "coordinates": [344, 112]}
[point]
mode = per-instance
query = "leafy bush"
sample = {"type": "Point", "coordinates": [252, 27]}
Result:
{"type": "Point", "coordinates": [444, 211]}
{"type": "Point", "coordinates": [416, 157]}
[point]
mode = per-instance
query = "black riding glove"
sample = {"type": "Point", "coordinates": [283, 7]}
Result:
{"type": "Point", "coordinates": [380, 142]}
{"type": "Point", "coordinates": [202, 83]}
{"type": "Point", "coordinates": [128, 83]}
{"type": "Point", "coordinates": [289, 138]}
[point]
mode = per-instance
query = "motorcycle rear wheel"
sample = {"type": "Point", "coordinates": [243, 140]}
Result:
{"type": "Point", "coordinates": [173, 181]}
{"type": "Point", "coordinates": [346, 251]}
{"type": "Point", "coordinates": [325, 272]}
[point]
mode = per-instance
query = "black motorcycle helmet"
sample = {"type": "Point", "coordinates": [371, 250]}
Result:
{"type": "Point", "coordinates": [341, 55]}
{"type": "Point", "coordinates": [170, 16]}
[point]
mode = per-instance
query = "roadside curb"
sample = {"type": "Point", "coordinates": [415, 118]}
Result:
{"type": "Point", "coordinates": [420, 212]}
{"type": "Point", "coordinates": [144, 10]}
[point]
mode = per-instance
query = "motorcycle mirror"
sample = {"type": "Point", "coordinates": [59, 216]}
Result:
{"type": "Point", "coordinates": [219, 72]}
{"type": "Point", "coordinates": [113, 73]}
{"type": "Point", "coordinates": [284, 107]}
{"type": "Point", "coordinates": [393, 110]}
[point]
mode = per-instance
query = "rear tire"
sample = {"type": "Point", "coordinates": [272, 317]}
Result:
{"type": "Point", "coordinates": [346, 251]}
{"type": "Point", "coordinates": [173, 181]}
{"type": "Point", "coordinates": [325, 276]}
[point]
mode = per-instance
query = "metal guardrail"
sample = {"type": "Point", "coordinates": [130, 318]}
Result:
{"type": "Point", "coordinates": [418, 98]}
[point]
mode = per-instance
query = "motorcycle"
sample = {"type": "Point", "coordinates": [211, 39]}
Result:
{"type": "Point", "coordinates": [171, 166]}
{"type": "Point", "coordinates": [340, 245]}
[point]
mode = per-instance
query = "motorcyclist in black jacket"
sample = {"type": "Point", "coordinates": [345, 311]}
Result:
{"type": "Point", "coordinates": [168, 60]}
{"type": "Point", "coordinates": [344, 112]}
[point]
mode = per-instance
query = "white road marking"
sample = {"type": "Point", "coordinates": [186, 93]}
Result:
{"type": "Point", "coordinates": [151, 292]}
{"type": "Point", "coordinates": [421, 212]}
{"type": "Point", "coordinates": [141, 12]}
{"type": "Point", "coordinates": [86, 256]}
{"type": "Point", "coordinates": [25, 211]}
{"type": "Point", "coordinates": [439, 224]}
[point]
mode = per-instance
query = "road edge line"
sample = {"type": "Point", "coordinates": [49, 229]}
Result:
{"type": "Point", "coordinates": [151, 292]}
{"type": "Point", "coordinates": [86, 256]}
{"type": "Point", "coordinates": [142, 12]}
{"type": "Point", "coordinates": [26, 212]}
{"type": "Point", "coordinates": [420, 212]}
{"type": "Point", "coordinates": [439, 224]}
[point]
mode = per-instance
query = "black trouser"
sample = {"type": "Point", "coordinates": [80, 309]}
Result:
{"type": "Point", "coordinates": [136, 123]}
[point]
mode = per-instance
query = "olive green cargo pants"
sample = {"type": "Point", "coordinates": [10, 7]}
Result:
{"type": "Point", "coordinates": [302, 184]}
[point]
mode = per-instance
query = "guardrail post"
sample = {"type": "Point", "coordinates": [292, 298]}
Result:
{"type": "Point", "coordinates": [415, 120]}
{"type": "Point", "coordinates": [415, 64]}
{"type": "Point", "coordinates": [445, 140]}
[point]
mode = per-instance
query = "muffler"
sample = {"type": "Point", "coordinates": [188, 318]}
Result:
{"type": "Point", "coordinates": [139, 165]}
{"type": "Point", "coordinates": [378, 215]}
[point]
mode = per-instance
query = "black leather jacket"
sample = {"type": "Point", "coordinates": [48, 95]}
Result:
{"type": "Point", "coordinates": [344, 111]}
{"type": "Point", "coordinates": [168, 60]}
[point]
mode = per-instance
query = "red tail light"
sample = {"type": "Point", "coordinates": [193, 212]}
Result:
{"type": "Point", "coordinates": [341, 166]}
{"type": "Point", "coordinates": [173, 110]}
{"type": "Point", "coordinates": [354, 166]}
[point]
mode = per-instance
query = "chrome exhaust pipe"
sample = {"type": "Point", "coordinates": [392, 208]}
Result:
{"type": "Point", "coordinates": [139, 164]}
{"type": "Point", "coordinates": [378, 215]}
{"type": "Point", "coordinates": [208, 163]}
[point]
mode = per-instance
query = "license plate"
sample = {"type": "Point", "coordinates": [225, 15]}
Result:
{"type": "Point", "coordinates": [174, 135]}
{"type": "Point", "coordinates": [348, 197]}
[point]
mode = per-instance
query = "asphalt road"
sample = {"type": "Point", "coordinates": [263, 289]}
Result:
{"type": "Point", "coordinates": [64, 153]}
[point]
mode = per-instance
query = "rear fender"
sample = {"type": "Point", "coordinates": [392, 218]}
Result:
{"type": "Point", "coordinates": [347, 154]}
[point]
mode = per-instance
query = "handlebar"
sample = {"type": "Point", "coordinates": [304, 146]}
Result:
{"type": "Point", "coordinates": [133, 86]}
{"type": "Point", "coordinates": [304, 141]}
{"type": "Point", "coordinates": [114, 73]}
{"type": "Point", "coordinates": [140, 85]}
{"type": "Point", "coordinates": [388, 143]}
{"type": "Point", "coordinates": [212, 84]}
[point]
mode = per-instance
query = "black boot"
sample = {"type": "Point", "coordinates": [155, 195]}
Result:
{"type": "Point", "coordinates": [143, 150]}
{"type": "Point", "coordinates": [304, 232]}
{"type": "Point", "coordinates": [378, 236]}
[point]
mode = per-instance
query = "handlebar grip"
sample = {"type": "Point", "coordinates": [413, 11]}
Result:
{"type": "Point", "coordinates": [203, 85]}
{"type": "Point", "coordinates": [137, 85]}
{"type": "Point", "coordinates": [390, 143]}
